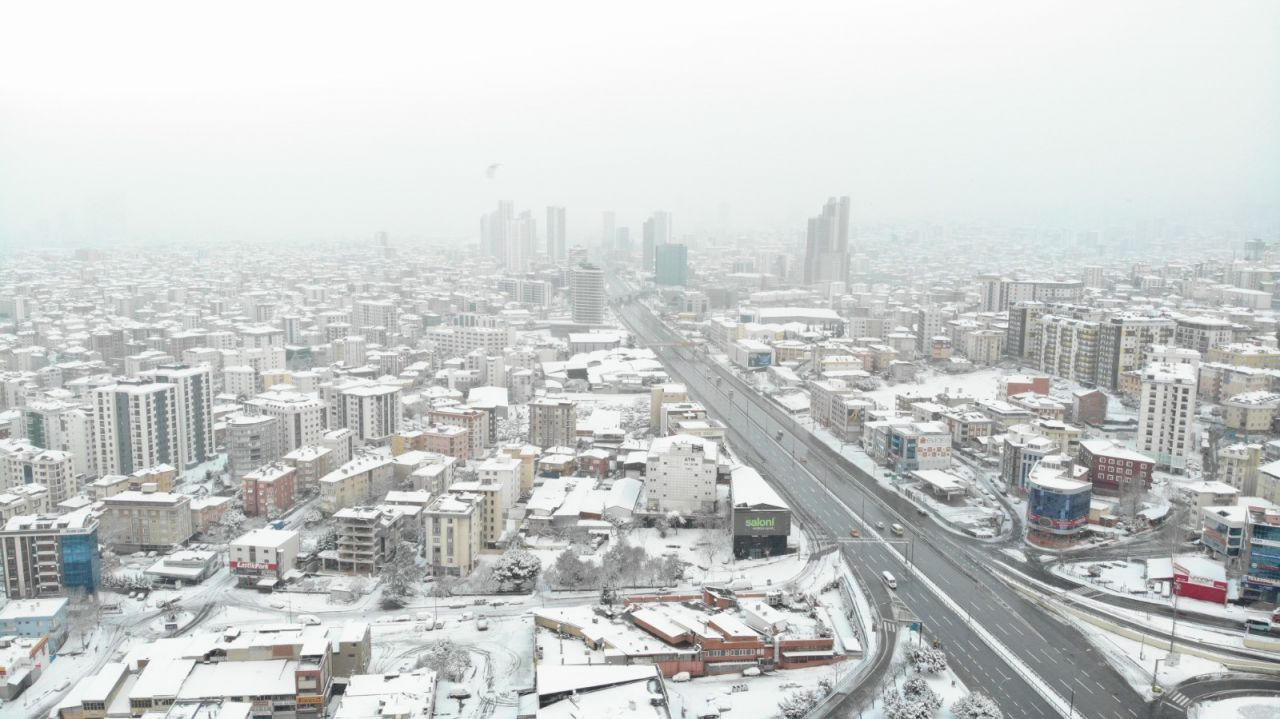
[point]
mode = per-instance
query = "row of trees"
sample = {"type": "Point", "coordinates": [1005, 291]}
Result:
{"type": "Point", "coordinates": [624, 564]}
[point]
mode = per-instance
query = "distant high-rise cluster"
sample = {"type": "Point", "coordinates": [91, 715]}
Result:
{"type": "Point", "coordinates": [587, 285]}
{"type": "Point", "coordinates": [555, 233]}
{"type": "Point", "coordinates": [826, 254]}
{"type": "Point", "coordinates": [509, 238]}
{"type": "Point", "coordinates": [657, 232]}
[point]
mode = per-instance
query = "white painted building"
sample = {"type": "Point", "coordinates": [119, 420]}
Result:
{"type": "Point", "coordinates": [1166, 414]}
{"type": "Point", "coordinates": [193, 393]}
{"type": "Point", "coordinates": [137, 426]}
{"type": "Point", "coordinates": [301, 415]}
{"type": "Point", "coordinates": [680, 474]}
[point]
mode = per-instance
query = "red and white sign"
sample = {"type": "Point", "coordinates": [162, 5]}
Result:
{"type": "Point", "coordinates": [269, 566]}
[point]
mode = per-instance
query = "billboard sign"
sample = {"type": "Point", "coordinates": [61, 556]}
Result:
{"type": "Point", "coordinates": [757, 523]}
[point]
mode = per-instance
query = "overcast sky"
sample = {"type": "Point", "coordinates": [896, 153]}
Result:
{"type": "Point", "coordinates": [254, 121]}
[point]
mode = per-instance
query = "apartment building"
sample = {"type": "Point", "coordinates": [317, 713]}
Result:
{"type": "Point", "coordinates": [269, 490]}
{"type": "Point", "coordinates": [1023, 449]}
{"type": "Point", "coordinates": [458, 341]}
{"type": "Point", "coordinates": [553, 422]}
{"type": "Point", "coordinates": [24, 499]}
{"type": "Point", "coordinates": [838, 407]}
{"type": "Point", "coordinates": [447, 439]}
{"type": "Point", "coordinates": [586, 284]}
{"type": "Point", "coordinates": [301, 415]}
{"type": "Point", "coordinates": [252, 440]}
{"type": "Point", "coordinates": [498, 481]}
{"type": "Point", "coordinates": [1240, 466]}
{"type": "Point", "coordinates": [454, 533]}
{"type": "Point", "coordinates": [356, 482]}
{"type": "Point", "coordinates": [1251, 412]}
{"type": "Point", "coordinates": [1112, 467]}
{"type": "Point", "coordinates": [136, 424]}
{"type": "Point", "coordinates": [680, 474]}
{"type": "Point", "coordinates": [264, 556]}
{"type": "Point", "coordinates": [44, 555]}
{"type": "Point", "coordinates": [367, 537]}
{"type": "Point", "coordinates": [1125, 342]}
{"type": "Point", "coordinates": [23, 464]}
{"type": "Point", "coordinates": [907, 445]}
{"type": "Point", "coordinates": [63, 426]}
{"type": "Point", "coordinates": [1202, 333]}
{"type": "Point", "coordinates": [145, 521]}
{"type": "Point", "coordinates": [1166, 413]}
{"type": "Point", "coordinates": [372, 411]}
{"type": "Point", "coordinates": [193, 408]}
{"type": "Point", "coordinates": [311, 462]}
{"type": "Point", "coordinates": [1069, 348]}
{"type": "Point", "coordinates": [1245, 355]}
{"type": "Point", "coordinates": [475, 421]}
{"type": "Point", "coordinates": [1217, 382]}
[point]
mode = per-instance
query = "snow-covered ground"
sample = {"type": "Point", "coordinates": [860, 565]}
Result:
{"type": "Point", "coordinates": [973, 514]}
{"type": "Point", "coordinates": [1136, 661]}
{"type": "Point", "coordinates": [945, 684]}
{"type": "Point", "coordinates": [1130, 579]}
{"type": "Point", "coordinates": [707, 552]}
{"type": "Point", "coordinates": [1237, 708]}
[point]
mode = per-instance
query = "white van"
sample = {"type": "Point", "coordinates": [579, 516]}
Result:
{"type": "Point", "coordinates": [889, 580]}
{"type": "Point", "coordinates": [897, 529]}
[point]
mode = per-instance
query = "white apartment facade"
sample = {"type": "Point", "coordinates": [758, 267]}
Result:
{"type": "Point", "coordinates": [136, 426]}
{"type": "Point", "coordinates": [553, 422]}
{"type": "Point", "coordinates": [301, 415]}
{"type": "Point", "coordinates": [1166, 414]}
{"type": "Point", "coordinates": [454, 532]}
{"type": "Point", "coordinates": [680, 474]}
{"type": "Point", "coordinates": [193, 394]}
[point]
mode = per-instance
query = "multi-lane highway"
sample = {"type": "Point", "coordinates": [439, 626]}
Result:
{"type": "Point", "coordinates": [1031, 663]}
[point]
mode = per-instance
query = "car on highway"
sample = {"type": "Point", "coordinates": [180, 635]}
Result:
{"type": "Point", "coordinates": [889, 580]}
{"type": "Point", "coordinates": [855, 533]}
{"type": "Point", "coordinates": [879, 525]}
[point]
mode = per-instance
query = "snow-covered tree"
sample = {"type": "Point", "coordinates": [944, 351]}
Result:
{"type": "Point", "coordinates": [516, 568]}
{"type": "Point", "coordinates": [232, 521]}
{"type": "Point", "coordinates": [672, 569]}
{"type": "Point", "coordinates": [917, 690]}
{"type": "Point", "coordinates": [928, 660]}
{"type": "Point", "coordinates": [400, 576]}
{"type": "Point", "coordinates": [570, 572]}
{"type": "Point", "coordinates": [328, 540]}
{"type": "Point", "coordinates": [447, 659]}
{"type": "Point", "coordinates": [976, 706]}
{"type": "Point", "coordinates": [907, 709]}
{"type": "Point", "coordinates": [798, 704]}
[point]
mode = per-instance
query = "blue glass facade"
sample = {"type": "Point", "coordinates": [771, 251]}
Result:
{"type": "Point", "coordinates": [1057, 511]}
{"type": "Point", "coordinates": [1262, 580]}
{"type": "Point", "coordinates": [81, 566]}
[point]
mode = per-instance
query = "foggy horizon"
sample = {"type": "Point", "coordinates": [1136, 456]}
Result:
{"type": "Point", "coordinates": [145, 123]}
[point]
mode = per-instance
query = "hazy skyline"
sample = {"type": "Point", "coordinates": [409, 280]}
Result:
{"type": "Point", "coordinates": [144, 121]}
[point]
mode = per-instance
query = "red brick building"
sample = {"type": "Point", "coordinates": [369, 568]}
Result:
{"type": "Point", "coordinates": [1088, 406]}
{"type": "Point", "coordinates": [1110, 464]}
{"type": "Point", "coordinates": [1019, 383]}
{"type": "Point", "coordinates": [269, 490]}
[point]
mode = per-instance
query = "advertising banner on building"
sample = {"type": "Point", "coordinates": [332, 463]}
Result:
{"type": "Point", "coordinates": [761, 523]}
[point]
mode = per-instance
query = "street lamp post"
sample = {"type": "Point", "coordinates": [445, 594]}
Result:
{"type": "Point", "coordinates": [1155, 673]}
